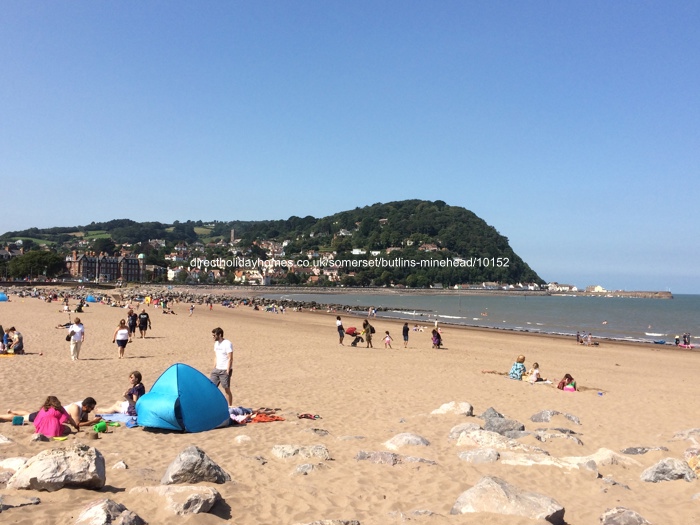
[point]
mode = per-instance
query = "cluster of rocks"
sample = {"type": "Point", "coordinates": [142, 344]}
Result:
{"type": "Point", "coordinates": [495, 438]}
{"type": "Point", "coordinates": [82, 466]}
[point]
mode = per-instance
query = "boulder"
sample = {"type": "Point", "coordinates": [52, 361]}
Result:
{"type": "Point", "coordinates": [491, 412]}
{"type": "Point", "coordinates": [192, 465]}
{"type": "Point", "coordinates": [184, 499]}
{"type": "Point", "coordinates": [501, 425]}
{"type": "Point", "coordinates": [622, 516]}
{"type": "Point", "coordinates": [38, 437]}
{"type": "Point", "coordinates": [480, 455]}
{"type": "Point", "coordinates": [453, 407]}
{"type": "Point", "coordinates": [120, 465]}
{"type": "Point", "coordinates": [494, 495]}
{"type": "Point", "coordinates": [78, 466]}
{"type": "Point", "coordinates": [404, 439]}
{"type": "Point", "coordinates": [668, 469]}
{"type": "Point", "coordinates": [106, 511]}
{"type": "Point", "coordinates": [307, 468]}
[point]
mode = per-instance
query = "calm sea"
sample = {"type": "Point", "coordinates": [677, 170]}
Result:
{"type": "Point", "coordinates": [607, 317]}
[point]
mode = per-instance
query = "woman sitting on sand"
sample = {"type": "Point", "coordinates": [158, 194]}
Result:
{"type": "Point", "coordinates": [131, 396]}
{"type": "Point", "coordinates": [50, 420]}
{"type": "Point", "coordinates": [567, 384]}
{"type": "Point", "coordinates": [518, 368]}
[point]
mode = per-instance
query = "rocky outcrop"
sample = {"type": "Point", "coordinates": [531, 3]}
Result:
{"type": "Point", "coordinates": [106, 512]}
{"type": "Point", "coordinates": [192, 465]}
{"type": "Point", "coordinates": [306, 452]}
{"type": "Point", "coordinates": [78, 466]}
{"type": "Point", "coordinates": [497, 496]}
{"type": "Point", "coordinates": [622, 516]}
{"type": "Point", "coordinates": [668, 469]}
{"type": "Point", "coordinates": [184, 499]}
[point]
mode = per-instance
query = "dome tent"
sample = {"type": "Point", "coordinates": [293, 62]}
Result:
{"type": "Point", "coordinates": [90, 299]}
{"type": "Point", "coordinates": [183, 399]}
{"type": "Point", "coordinates": [3, 297]}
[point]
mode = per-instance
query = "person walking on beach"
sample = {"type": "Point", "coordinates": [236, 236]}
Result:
{"type": "Point", "coordinates": [144, 323]}
{"type": "Point", "coordinates": [223, 363]}
{"type": "Point", "coordinates": [191, 310]}
{"type": "Point", "coordinates": [405, 331]}
{"type": "Point", "coordinates": [121, 337]}
{"type": "Point", "coordinates": [77, 337]}
{"type": "Point", "coordinates": [132, 320]}
{"type": "Point", "coordinates": [341, 330]}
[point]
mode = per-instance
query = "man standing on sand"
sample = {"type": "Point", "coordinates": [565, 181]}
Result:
{"type": "Point", "coordinates": [144, 323]}
{"type": "Point", "coordinates": [405, 331]}
{"type": "Point", "coordinates": [223, 363]}
{"type": "Point", "coordinates": [77, 336]}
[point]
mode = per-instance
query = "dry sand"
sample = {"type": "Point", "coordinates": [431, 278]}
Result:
{"type": "Point", "coordinates": [294, 362]}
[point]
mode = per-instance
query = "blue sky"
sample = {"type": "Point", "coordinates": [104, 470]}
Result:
{"type": "Point", "coordinates": [571, 127]}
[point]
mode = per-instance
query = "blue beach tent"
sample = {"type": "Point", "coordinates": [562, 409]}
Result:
{"type": "Point", "coordinates": [91, 299]}
{"type": "Point", "coordinates": [3, 297]}
{"type": "Point", "coordinates": [183, 399]}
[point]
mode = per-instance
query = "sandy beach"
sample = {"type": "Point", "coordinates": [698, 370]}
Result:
{"type": "Point", "coordinates": [632, 395]}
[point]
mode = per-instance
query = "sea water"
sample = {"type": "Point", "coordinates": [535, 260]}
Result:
{"type": "Point", "coordinates": [622, 318]}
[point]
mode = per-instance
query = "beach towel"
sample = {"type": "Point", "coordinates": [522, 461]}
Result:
{"type": "Point", "coordinates": [265, 418]}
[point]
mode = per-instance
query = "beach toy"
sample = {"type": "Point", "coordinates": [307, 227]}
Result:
{"type": "Point", "coordinates": [100, 427]}
{"type": "Point", "coordinates": [60, 438]}
{"type": "Point", "coordinates": [600, 393]}
{"type": "Point", "coordinates": [114, 424]}
{"type": "Point", "coordinates": [18, 420]}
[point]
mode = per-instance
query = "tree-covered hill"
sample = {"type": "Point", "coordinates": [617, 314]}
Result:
{"type": "Point", "coordinates": [413, 230]}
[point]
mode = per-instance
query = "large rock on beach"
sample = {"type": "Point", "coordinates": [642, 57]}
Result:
{"type": "Point", "coordinates": [184, 499]}
{"type": "Point", "coordinates": [78, 466]}
{"type": "Point", "coordinates": [669, 469]}
{"type": "Point", "coordinates": [406, 439]}
{"type": "Point", "coordinates": [108, 512]}
{"type": "Point", "coordinates": [491, 412]}
{"type": "Point", "coordinates": [192, 465]}
{"type": "Point", "coordinates": [494, 495]}
{"type": "Point", "coordinates": [622, 516]}
{"type": "Point", "coordinates": [501, 425]}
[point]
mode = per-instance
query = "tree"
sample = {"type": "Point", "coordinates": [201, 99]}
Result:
{"type": "Point", "coordinates": [37, 263]}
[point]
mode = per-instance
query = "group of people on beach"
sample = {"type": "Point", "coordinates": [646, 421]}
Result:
{"type": "Point", "coordinates": [12, 341]}
{"type": "Point", "coordinates": [519, 372]}
{"type": "Point", "coordinates": [54, 420]}
{"type": "Point", "coordinates": [367, 333]}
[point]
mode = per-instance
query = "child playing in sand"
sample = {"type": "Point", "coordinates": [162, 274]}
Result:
{"type": "Point", "coordinates": [518, 368]}
{"type": "Point", "coordinates": [534, 374]}
{"type": "Point", "coordinates": [387, 340]}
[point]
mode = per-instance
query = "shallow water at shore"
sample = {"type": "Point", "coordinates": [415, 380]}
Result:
{"type": "Point", "coordinates": [627, 319]}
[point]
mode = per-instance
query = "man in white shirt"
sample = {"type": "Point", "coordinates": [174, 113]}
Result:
{"type": "Point", "coordinates": [77, 333]}
{"type": "Point", "coordinates": [223, 364]}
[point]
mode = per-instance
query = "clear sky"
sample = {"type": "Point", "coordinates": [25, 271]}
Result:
{"type": "Point", "coordinates": [571, 127]}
